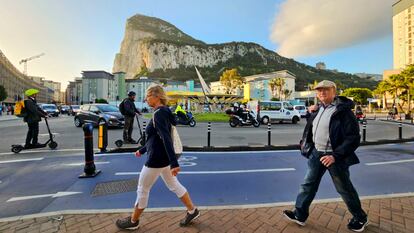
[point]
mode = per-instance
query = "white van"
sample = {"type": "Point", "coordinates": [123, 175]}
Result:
{"type": "Point", "coordinates": [281, 111]}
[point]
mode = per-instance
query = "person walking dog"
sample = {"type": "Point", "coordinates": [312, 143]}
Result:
{"type": "Point", "coordinates": [161, 161]}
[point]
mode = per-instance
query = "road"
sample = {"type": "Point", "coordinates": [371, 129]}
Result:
{"type": "Point", "coordinates": [71, 138]}
{"type": "Point", "coordinates": [49, 182]}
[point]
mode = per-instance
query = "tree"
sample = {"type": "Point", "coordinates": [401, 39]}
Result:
{"type": "Point", "coordinates": [382, 90]}
{"type": "Point", "coordinates": [359, 95]}
{"type": "Point", "coordinates": [231, 80]}
{"type": "Point", "coordinates": [3, 93]}
{"type": "Point", "coordinates": [408, 84]}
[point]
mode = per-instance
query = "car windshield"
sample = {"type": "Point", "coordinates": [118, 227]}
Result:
{"type": "Point", "coordinates": [49, 107]}
{"type": "Point", "coordinates": [108, 108]}
{"type": "Point", "coordinates": [75, 106]}
{"type": "Point", "coordinates": [300, 107]}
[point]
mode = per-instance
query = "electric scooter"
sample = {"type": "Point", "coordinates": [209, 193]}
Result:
{"type": "Point", "coordinates": [120, 142]}
{"type": "Point", "coordinates": [50, 142]}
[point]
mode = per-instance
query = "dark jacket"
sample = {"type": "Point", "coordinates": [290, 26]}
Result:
{"type": "Point", "coordinates": [33, 111]}
{"type": "Point", "coordinates": [343, 131]}
{"type": "Point", "coordinates": [129, 108]}
{"type": "Point", "coordinates": [159, 145]}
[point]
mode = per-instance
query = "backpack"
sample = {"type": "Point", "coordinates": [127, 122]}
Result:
{"type": "Point", "coordinates": [122, 107]}
{"type": "Point", "coordinates": [19, 109]}
{"type": "Point", "coordinates": [176, 140]}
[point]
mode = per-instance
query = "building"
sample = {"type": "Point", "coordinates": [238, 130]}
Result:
{"type": "Point", "coordinates": [320, 66]}
{"type": "Point", "coordinates": [258, 86]}
{"type": "Point", "coordinates": [375, 77]}
{"type": "Point", "coordinates": [139, 86]}
{"type": "Point", "coordinates": [403, 33]}
{"type": "Point", "coordinates": [97, 85]}
{"type": "Point", "coordinates": [120, 85]}
{"type": "Point", "coordinates": [16, 83]}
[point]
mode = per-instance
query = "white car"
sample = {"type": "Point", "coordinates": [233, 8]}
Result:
{"type": "Point", "coordinates": [301, 109]}
{"type": "Point", "coordinates": [281, 111]}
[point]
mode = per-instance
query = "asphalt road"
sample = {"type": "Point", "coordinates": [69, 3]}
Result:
{"type": "Point", "coordinates": [70, 138]}
{"type": "Point", "coordinates": [48, 182]}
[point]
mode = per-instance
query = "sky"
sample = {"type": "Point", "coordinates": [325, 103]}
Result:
{"type": "Point", "coordinates": [75, 35]}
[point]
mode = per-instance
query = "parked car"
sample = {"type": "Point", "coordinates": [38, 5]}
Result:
{"type": "Point", "coordinates": [50, 109]}
{"type": "Point", "coordinates": [64, 109]}
{"type": "Point", "coordinates": [301, 109]}
{"type": "Point", "coordinates": [281, 111]}
{"type": "Point", "coordinates": [73, 109]}
{"type": "Point", "coordinates": [99, 113]}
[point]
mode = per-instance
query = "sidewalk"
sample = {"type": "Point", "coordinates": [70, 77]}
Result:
{"type": "Point", "coordinates": [386, 215]}
{"type": "Point", "coordinates": [8, 117]}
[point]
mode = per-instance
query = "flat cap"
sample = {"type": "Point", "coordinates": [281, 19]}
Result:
{"type": "Point", "coordinates": [325, 84]}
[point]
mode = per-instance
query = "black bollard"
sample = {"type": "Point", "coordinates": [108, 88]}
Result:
{"type": "Point", "coordinates": [364, 131]}
{"type": "Point", "coordinates": [400, 131]}
{"type": "Point", "coordinates": [89, 169]}
{"type": "Point", "coordinates": [144, 127]}
{"type": "Point", "coordinates": [269, 134]}
{"type": "Point", "coordinates": [103, 137]}
{"type": "Point", "coordinates": [209, 134]}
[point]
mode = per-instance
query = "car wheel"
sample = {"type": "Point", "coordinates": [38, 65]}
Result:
{"type": "Point", "coordinates": [265, 120]}
{"type": "Point", "coordinates": [295, 120]}
{"type": "Point", "coordinates": [78, 122]}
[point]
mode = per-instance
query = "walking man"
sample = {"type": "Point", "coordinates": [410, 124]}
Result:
{"type": "Point", "coordinates": [332, 134]}
{"type": "Point", "coordinates": [128, 109]}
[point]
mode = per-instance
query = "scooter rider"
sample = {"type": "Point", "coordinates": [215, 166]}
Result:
{"type": "Point", "coordinates": [181, 113]}
{"type": "Point", "coordinates": [32, 118]}
{"type": "Point", "coordinates": [129, 111]}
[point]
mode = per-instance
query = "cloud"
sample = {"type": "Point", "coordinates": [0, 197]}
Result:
{"type": "Point", "coordinates": [307, 28]}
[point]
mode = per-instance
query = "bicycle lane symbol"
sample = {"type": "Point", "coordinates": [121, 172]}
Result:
{"type": "Point", "coordinates": [186, 161]}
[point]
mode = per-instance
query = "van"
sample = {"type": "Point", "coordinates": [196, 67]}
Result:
{"type": "Point", "coordinates": [281, 111]}
{"type": "Point", "coordinates": [301, 109]}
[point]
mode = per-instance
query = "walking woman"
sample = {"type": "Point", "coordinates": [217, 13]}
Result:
{"type": "Point", "coordinates": [161, 161]}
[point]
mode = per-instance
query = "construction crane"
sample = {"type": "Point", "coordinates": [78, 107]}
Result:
{"type": "Point", "coordinates": [29, 59]}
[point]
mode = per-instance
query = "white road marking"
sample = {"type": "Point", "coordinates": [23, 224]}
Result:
{"type": "Point", "coordinates": [81, 164]}
{"type": "Point", "coordinates": [390, 162]}
{"type": "Point", "coordinates": [53, 195]}
{"type": "Point", "coordinates": [217, 172]}
{"type": "Point", "coordinates": [20, 160]}
{"type": "Point", "coordinates": [47, 135]}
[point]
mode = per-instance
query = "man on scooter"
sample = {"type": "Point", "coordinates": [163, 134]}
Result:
{"type": "Point", "coordinates": [181, 113]}
{"type": "Point", "coordinates": [32, 118]}
{"type": "Point", "coordinates": [129, 111]}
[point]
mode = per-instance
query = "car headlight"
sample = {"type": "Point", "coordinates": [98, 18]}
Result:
{"type": "Point", "coordinates": [112, 117]}
{"type": "Point", "coordinates": [56, 110]}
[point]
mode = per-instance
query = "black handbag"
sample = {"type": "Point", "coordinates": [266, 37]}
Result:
{"type": "Point", "coordinates": [306, 147]}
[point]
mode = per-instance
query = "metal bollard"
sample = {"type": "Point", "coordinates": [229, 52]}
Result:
{"type": "Point", "coordinates": [103, 137]}
{"type": "Point", "coordinates": [209, 134]}
{"type": "Point", "coordinates": [400, 131]}
{"type": "Point", "coordinates": [269, 134]}
{"type": "Point", "coordinates": [89, 169]}
{"type": "Point", "coordinates": [144, 127]}
{"type": "Point", "coordinates": [364, 131]}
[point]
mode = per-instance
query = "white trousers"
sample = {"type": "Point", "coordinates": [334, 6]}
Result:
{"type": "Point", "coordinates": [147, 179]}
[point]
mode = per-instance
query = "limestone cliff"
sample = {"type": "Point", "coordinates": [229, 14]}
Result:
{"type": "Point", "coordinates": [160, 50]}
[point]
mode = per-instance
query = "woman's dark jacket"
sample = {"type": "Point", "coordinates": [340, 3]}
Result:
{"type": "Point", "coordinates": [159, 145]}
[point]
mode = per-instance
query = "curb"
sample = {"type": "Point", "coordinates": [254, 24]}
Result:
{"type": "Point", "coordinates": [402, 122]}
{"type": "Point", "coordinates": [255, 148]}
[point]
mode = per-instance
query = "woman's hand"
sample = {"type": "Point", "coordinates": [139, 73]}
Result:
{"type": "Point", "coordinates": [175, 171]}
{"type": "Point", "coordinates": [313, 108]}
{"type": "Point", "coordinates": [137, 154]}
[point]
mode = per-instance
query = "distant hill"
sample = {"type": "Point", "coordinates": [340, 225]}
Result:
{"type": "Point", "coordinates": [158, 49]}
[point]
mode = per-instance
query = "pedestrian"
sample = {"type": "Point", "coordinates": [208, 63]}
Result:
{"type": "Point", "coordinates": [161, 161]}
{"type": "Point", "coordinates": [128, 109]}
{"type": "Point", "coordinates": [33, 114]}
{"type": "Point", "coordinates": [1, 109]}
{"type": "Point", "coordinates": [330, 139]}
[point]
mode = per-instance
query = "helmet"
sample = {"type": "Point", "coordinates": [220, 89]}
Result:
{"type": "Point", "coordinates": [132, 93]}
{"type": "Point", "coordinates": [242, 106]}
{"type": "Point", "coordinates": [236, 105]}
{"type": "Point", "coordinates": [31, 92]}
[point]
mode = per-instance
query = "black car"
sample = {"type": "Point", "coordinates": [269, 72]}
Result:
{"type": "Point", "coordinates": [64, 109]}
{"type": "Point", "coordinates": [99, 113]}
{"type": "Point", "coordinates": [50, 109]}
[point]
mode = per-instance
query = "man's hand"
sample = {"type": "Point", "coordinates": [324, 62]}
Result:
{"type": "Point", "coordinates": [137, 154]}
{"type": "Point", "coordinates": [313, 108]}
{"type": "Point", "coordinates": [175, 171]}
{"type": "Point", "coordinates": [327, 160]}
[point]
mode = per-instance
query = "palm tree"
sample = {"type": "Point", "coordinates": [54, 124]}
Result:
{"type": "Point", "coordinates": [408, 84]}
{"type": "Point", "coordinates": [382, 89]}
